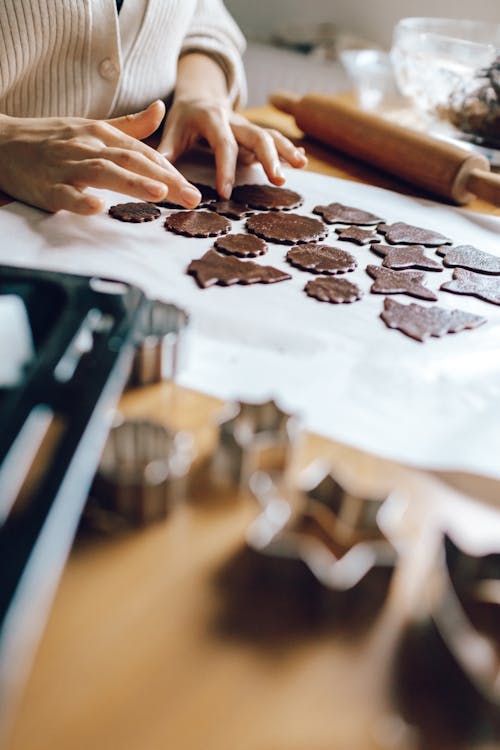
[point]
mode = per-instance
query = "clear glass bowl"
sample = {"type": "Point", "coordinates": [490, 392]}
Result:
{"type": "Point", "coordinates": [450, 69]}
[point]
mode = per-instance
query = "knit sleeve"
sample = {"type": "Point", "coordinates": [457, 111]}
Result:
{"type": "Point", "coordinates": [214, 32]}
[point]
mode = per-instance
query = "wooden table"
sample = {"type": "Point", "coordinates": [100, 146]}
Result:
{"type": "Point", "coordinates": [146, 649]}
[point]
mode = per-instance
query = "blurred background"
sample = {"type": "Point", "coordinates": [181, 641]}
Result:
{"type": "Point", "coordinates": [298, 44]}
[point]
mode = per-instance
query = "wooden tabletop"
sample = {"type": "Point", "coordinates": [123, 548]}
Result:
{"type": "Point", "coordinates": [149, 646]}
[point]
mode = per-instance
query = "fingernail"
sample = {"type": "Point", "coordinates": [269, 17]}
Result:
{"type": "Point", "coordinates": [299, 154]}
{"type": "Point", "coordinates": [157, 191]}
{"type": "Point", "coordinates": [278, 173]}
{"type": "Point", "coordinates": [190, 195]}
{"type": "Point", "coordinates": [227, 189]}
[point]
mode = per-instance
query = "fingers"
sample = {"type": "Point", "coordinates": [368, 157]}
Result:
{"type": "Point", "coordinates": [269, 146]}
{"type": "Point", "coordinates": [102, 173]}
{"type": "Point", "coordinates": [141, 124]}
{"type": "Point", "coordinates": [225, 148]}
{"type": "Point", "coordinates": [178, 188]}
{"type": "Point", "coordinates": [70, 198]}
{"type": "Point", "coordinates": [135, 157]}
{"type": "Point", "coordinates": [261, 143]}
{"type": "Point", "coordinates": [287, 150]}
{"type": "Point", "coordinates": [175, 141]}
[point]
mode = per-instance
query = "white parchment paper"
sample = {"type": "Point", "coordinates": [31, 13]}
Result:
{"type": "Point", "coordinates": [351, 379]}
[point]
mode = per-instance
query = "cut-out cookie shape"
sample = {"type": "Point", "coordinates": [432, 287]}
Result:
{"type": "Point", "coordinates": [286, 229]}
{"type": "Point", "coordinates": [267, 197]}
{"type": "Point", "coordinates": [399, 282]}
{"type": "Point", "coordinates": [357, 235]}
{"type": "Point", "coordinates": [242, 245]}
{"type": "Point", "coordinates": [407, 234]}
{"type": "Point", "coordinates": [226, 270]}
{"type": "Point", "coordinates": [338, 213]}
{"type": "Point", "coordinates": [197, 224]}
{"type": "Point", "coordinates": [419, 322]}
{"type": "Point", "coordinates": [135, 213]}
{"type": "Point", "coordinates": [334, 290]}
{"type": "Point", "coordinates": [231, 209]}
{"type": "Point", "coordinates": [409, 256]}
{"type": "Point", "coordinates": [321, 259]}
{"type": "Point", "coordinates": [469, 257]}
{"type": "Point", "coordinates": [473, 284]}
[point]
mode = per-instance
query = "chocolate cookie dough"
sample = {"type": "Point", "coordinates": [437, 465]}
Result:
{"type": "Point", "coordinates": [231, 209]}
{"type": "Point", "coordinates": [321, 259]}
{"type": "Point", "coordinates": [407, 234]}
{"type": "Point", "coordinates": [331, 290]}
{"type": "Point", "coordinates": [213, 268]}
{"type": "Point", "coordinates": [419, 322]}
{"type": "Point", "coordinates": [135, 213]}
{"type": "Point", "coordinates": [399, 282]}
{"type": "Point", "coordinates": [337, 213]}
{"type": "Point", "coordinates": [242, 245]}
{"type": "Point", "coordinates": [474, 285]}
{"type": "Point", "coordinates": [197, 224]}
{"type": "Point", "coordinates": [208, 194]}
{"type": "Point", "coordinates": [357, 235]}
{"type": "Point", "coordinates": [267, 197]}
{"type": "Point", "coordinates": [467, 256]}
{"type": "Point", "coordinates": [409, 256]}
{"type": "Point", "coordinates": [286, 229]}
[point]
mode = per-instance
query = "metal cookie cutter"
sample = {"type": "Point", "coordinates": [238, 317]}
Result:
{"type": "Point", "coordinates": [467, 616]}
{"type": "Point", "coordinates": [161, 348]}
{"type": "Point", "coordinates": [253, 437]}
{"type": "Point", "coordinates": [143, 471]}
{"type": "Point", "coordinates": [337, 535]}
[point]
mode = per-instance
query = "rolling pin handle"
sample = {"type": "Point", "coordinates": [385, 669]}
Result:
{"type": "Point", "coordinates": [284, 101]}
{"type": "Point", "coordinates": [485, 185]}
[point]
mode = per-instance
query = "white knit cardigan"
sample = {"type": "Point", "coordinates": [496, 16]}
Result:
{"type": "Point", "coordinates": [82, 58]}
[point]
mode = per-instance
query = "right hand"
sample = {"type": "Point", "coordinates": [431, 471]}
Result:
{"type": "Point", "coordinates": [48, 162]}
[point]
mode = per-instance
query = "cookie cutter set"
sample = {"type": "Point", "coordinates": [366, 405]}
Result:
{"type": "Point", "coordinates": [337, 536]}
{"type": "Point", "coordinates": [144, 465]}
{"type": "Point", "coordinates": [253, 437]}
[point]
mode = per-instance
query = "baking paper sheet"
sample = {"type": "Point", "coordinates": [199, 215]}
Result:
{"type": "Point", "coordinates": [352, 379]}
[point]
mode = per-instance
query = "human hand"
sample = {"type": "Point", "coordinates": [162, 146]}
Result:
{"type": "Point", "coordinates": [48, 162]}
{"type": "Point", "coordinates": [230, 136]}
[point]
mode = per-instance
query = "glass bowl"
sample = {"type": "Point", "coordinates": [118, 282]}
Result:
{"type": "Point", "coordinates": [450, 70]}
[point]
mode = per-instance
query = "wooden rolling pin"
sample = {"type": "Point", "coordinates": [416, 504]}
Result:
{"type": "Point", "coordinates": [442, 168]}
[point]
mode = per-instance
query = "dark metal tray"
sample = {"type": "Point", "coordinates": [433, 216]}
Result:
{"type": "Point", "coordinates": [53, 424]}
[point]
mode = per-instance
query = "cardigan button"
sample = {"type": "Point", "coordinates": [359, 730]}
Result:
{"type": "Point", "coordinates": [109, 69]}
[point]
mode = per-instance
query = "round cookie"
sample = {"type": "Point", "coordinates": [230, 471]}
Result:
{"type": "Point", "coordinates": [335, 291]}
{"type": "Point", "coordinates": [321, 259]}
{"type": "Point", "coordinates": [286, 229]}
{"type": "Point", "coordinates": [267, 197]}
{"type": "Point", "coordinates": [197, 223]}
{"type": "Point", "coordinates": [135, 213]}
{"type": "Point", "coordinates": [241, 245]}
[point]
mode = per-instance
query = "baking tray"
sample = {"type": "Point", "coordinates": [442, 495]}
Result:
{"type": "Point", "coordinates": [54, 421]}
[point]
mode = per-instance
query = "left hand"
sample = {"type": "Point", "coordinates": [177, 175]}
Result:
{"type": "Point", "coordinates": [230, 136]}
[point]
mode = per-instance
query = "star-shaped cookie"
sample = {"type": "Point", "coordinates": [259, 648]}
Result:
{"type": "Point", "coordinates": [408, 256]}
{"type": "Point", "coordinates": [399, 282]}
